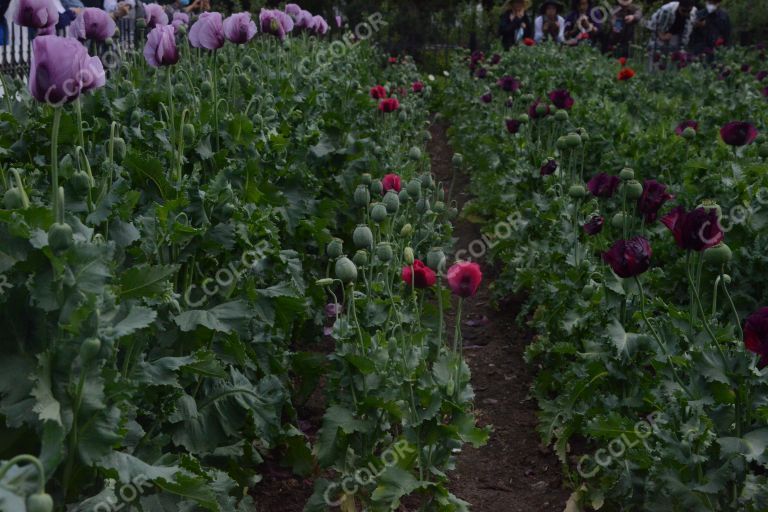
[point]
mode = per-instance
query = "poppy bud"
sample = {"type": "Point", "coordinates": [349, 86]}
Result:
{"type": "Point", "coordinates": [719, 254]}
{"type": "Point", "coordinates": [408, 256]}
{"type": "Point", "coordinates": [618, 221]}
{"type": "Point", "coordinates": [335, 248]}
{"type": "Point", "coordinates": [527, 98]}
{"type": "Point", "coordinates": [403, 115]}
{"type": "Point", "coordinates": [247, 61]}
{"type": "Point", "coordinates": [439, 207]}
{"type": "Point", "coordinates": [627, 174]}
{"type": "Point", "coordinates": [327, 281]}
{"type": "Point", "coordinates": [562, 143]}
{"type": "Point", "coordinates": [414, 188]}
{"type": "Point", "coordinates": [362, 237]}
{"type": "Point", "coordinates": [403, 196]}
{"type": "Point", "coordinates": [378, 150]}
{"type": "Point", "coordinates": [39, 502]}
{"type": "Point", "coordinates": [346, 271]}
{"type": "Point", "coordinates": [377, 188]}
{"type": "Point", "coordinates": [391, 201]}
{"type": "Point", "coordinates": [406, 230]}
{"type": "Point", "coordinates": [182, 29]}
{"type": "Point", "coordinates": [80, 181]}
{"type": "Point", "coordinates": [561, 115]}
{"type": "Point", "coordinates": [573, 140]}
{"type": "Point", "coordinates": [422, 205]}
{"type": "Point", "coordinates": [60, 237]}
{"type": "Point", "coordinates": [524, 118]}
{"type": "Point", "coordinates": [378, 213]}
{"type": "Point", "coordinates": [588, 291]}
{"type": "Point", "coordinates": [12, 199]}
{"type": "Point", "coordinates": [189, 132]}
{"type": "Point", "coordinates": [634, 189]}
{"type": "Point", "coordinates": [361, 258]}
{"type": "Point", "coordinates": [362, 195]}
{"type": "Point", "coordinates": [384, 252]}
{"type": "Point", "coordinates": [453, 212]}
{"type": "Point", "coordinates": [89, 349]}
{"type": "Point", "coordinates": [577, 191]}
{"type": "Point", "coordinates": [436, 259]}
{"type": "Point", "coordinates": [366, 179]}
{"type": "Point", "coordinates": [427, 181]}
{"type": "Point", "coordinates": [414, 153]}
{"type": "Point", "coordinates": [141, 23]}
{"type": "Point", "coordinates": [441, 193]}
{"type": "Point", "coordinates": [457, 160]}
{"type": "Point", "coordinates": [206, 88]}
{"type": "Point", "coordinates": [583, 134]}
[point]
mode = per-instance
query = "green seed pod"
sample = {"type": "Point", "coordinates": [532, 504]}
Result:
{"type": "Point", "coordinates": [243, 80]}
{"type": "Point", "coordinates": [439, 207]}
{"type": "Point", "coordinates": [726, 279]}
{"type": "Point", "coordinates": [13, 199]}
{"type": "Point", "coordinates": [60, 237]}
{"type": "Point", "coordinates": [527, 98]}
{"type": "Point", "coordinates": [406, 230]}
{"type": "Point", "coordinates": [763, 150]}
{"type": "Point", "coordinates": [377, 188]}
{"type": "Point", "coordinates": [39, 502]}
{"type": "Point", "coordinates": [634, 189]}
{"type": "Point", "coordinates": [378, 213]}
{"type": "Point", "coordinates": [189, 132]}
{"type": "Point", "coordinates": [414, 153]}
{"type": "Point", "coordinates": [403, 196]}
{"type": "Point", "coordinates": [422, 205]}
{"type": "Point", "coordinates": [402, 116]}
{"type": "Point", "coordinates": [561, 115]}
{"type": "Point", "coordinates": [588, 291]}
{"type": "Point", "coordinates": [427, 181]}
{"type": "Point", "coordinates": [80, 181]}
{"type": "Point", "coordinates": [346, 270]}
{"type": "Point", "coordinates": [689, 133]}
{"type": "Point", "coordinates": [182, 30]}
{"type": "Point", "coordinates": [206, 88]}
{"type": "Point", "coordinates": [627, 174]}
{"type": "Point", "coordinates": [110, 40]}
{"type": "Point", "coordinates": [361, 258]}
{"type": "Point", "coordinates": [709, 204]}
{"type": "Point", "coordinates": [326, 281]}
{"type": "Point", "coordinates": [246, 61]}
{"type": "Point", "coordinates": [562, 143]}
{"type": "Point", "coordinates": [366, 179]}
{"type": "Point", "coordinates": [222, 83]}
{"type": "Point", "coordinates": [457, 160]}
{"type": "Point", "coordinates": [414, 188]}
{"type": "Point", "coordinates": [577, 191]}
{"type": "Point", "coordinates": [120, 149]}
{"type": "Point", "coordinates": [384, 252]}
{"type": "Point", "coordinates": [583, 134]}
{"type": "Point", "coordinates": [408, 257]}
{"type": "Point", "coordinates": [391, 201]}
{"type": "Point", "coordinates": [179, 89]}
{"type": "Point", "coordinates": [573, 140]}
{"type": "Point", "coordinates": [335, 248]}
{"type": "Point", "coordinates": [362, 196]}
{"type": "Point", "coordinates": [718, 255]}
{"type": "Point", "coordinates": [90, 349]}
{"type": "Point", "coordinates": [618, 221]}
{"type": "Point", "coordinates": [436, 259]}
{"type": "Point", "coordinates": [362, 237]}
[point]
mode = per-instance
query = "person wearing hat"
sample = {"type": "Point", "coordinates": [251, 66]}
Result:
{"type": "Point", "coordinates": [515, 24]}
{"type": "Point", "coordinates": [549, 25]}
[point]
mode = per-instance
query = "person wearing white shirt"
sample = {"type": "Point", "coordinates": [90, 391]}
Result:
{"type": "Point", "coordinates": [550, 25]}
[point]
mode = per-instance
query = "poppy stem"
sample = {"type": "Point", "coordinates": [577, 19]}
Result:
{"type": "Point", "coordinates": [55, 157]}
{"type": "Point", "coordinates": [32, 460]}
{"type": "Point", "coordinates": [733, 306]}
{"type": "Point", "coordinates": [457, 344]}
{"type": "Point", "coordinates": [705, 321]}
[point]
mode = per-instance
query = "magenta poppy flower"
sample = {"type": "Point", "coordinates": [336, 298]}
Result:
{"type": "Point", "coordinates": [39, 14]}
{"type": "Point", "coordinates": [513, 126]}
{"type": "Point", "coordinates": [594, 225]}
{"type": "Point", "coordinates": [94, 24]}
{"type": "Point", "coordinates": [464, 278]}
{"type": "Point", "coordinates": [378, 92]}
{"type": "Point", "coordinates": [160, 49]}
{"type": "Point", "coordinates": [738, 133]}
{"type": "Point", "coordinates": [477, 56]}
{"type": "Point", "coordinates": [179, 19]}
{"type": "Point", "coordinates": [389, 105]}
{"type": "Point", "coordinates": [208, 31]}
{"type": "Point", "coordinates": [333, 309]}
{"type": "Point", "coordinates": [420, 276]}
{"type": "Point", "coordinates": [61, 70]}
{"type": "Point", "coordinates": [653, 198]}
{"type": "Point", "coordinates": [509, 83]}
{"type": "Point", "coordinates": [417, 86]}
{"type": "Point", "coordinates": [276, 23]}
{"type": "Point", "coordinates": [561, 98]}
{"type": "Point", "coordinates": [603, 185]}
{"type": "Point", "coordinates": [486, 98]}
{"type": "Point", "coordinates": [629, 258]}
{"type": "Point", "coordinates": [756, 335]}
{"type": "Point", "coordinates": [539, 110]}
{"type": "Point", "coordinates": [696, 230]}
{"type": "Point", "coordinates": [548, 167]}
{"type": "Point", "coordinates": [155, 15]}
{"type": "Point", "coordinates": [239, 28]}
{"type": "Point", "coordinates": [391, 182]}
{"type": "Point", "coordinates": [687, 124]}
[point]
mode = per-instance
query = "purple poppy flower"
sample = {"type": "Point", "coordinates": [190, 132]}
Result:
{"type": "Point", "coordinates": [603, 185]}
{"type": "Point", "coordinates": [333, 310]}
{"type": "Point", "coordinates": [687, 124]}
{"type": "Point", "coordinates": [155, 15]}
{"type": "Point", "coordinates": [738, 133]}
{"type": "Point", "coordinates": [160, 49]}
{"type": "Point", "coordinates": [179, 19]}
{"type": "Point", "coordinates": [94, 24]}
{"type": "Point", "coordinates": [39, 14]}
{"type": "Point", "coordinates": [481, 73]}
{"type": "Point", "coordinates": [513, 125]}
{"type": "Point", "coordinates": [548, 167]}
{"type": "Point", "coordinates": [629, 258]}
{"type": "Point", "coordinates": [302, 20]}
{"type": "Point", "coordinates": [561, 98]}
{"type": "Point", "coordinates": [477, 56]}
{"type": "Point", "coordinates": [760, 75]}
{"type": "Point", "coordinates": [208, 31]}
{"type": "Point", "coordinates": [239, 28]}
{"type": "Point", "coordinates": [319, 26]}
{"type": "Point", "coordinates": [696, 230]}
{"type": "Point", "coordinates": [765, 92]}
{"type": "Point", "coordinates": [653, 198]}
{"type": "Point", "coordinates": [62, 70]}
{"type": "Point", "coordinates": [594, 225]}
{"type": "Point", "coordinates": [486, 98]}
{"type": "Point", "coordinates": [276, 23]}
{"type": "Point", "coordinates": [509, 83]}
{"type": "Point", "coordinates": [724, 74]}
{"type": "Point", "coordinates": [292, 10]}
{"type": "Point", "coordinates": [756, 335]}
{"type": "Point", "coordinates": [495, 59]}
{"type": "Point", "coordinates": [746, 68]}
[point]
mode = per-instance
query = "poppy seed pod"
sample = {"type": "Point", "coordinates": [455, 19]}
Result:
{"type": "Point", "coordinates": [452, 212]}
{"type": "Point", "coordinates": [362, 237]}
{"type": "Point", "coordinates": [689, 133]}
{"type": "Point", "coordinates": [562, 143]}
{"type": "Point", "coordinates": [427, 181]}
{"type": "Point", "coordinates": [89, 349]}
{"type": "Point", "coordinates": [361, 258]}
{"type": "Point", "coordinates": [634, 189]}
{"type": "Point", "coordinates": [335, 248]}
{"type": "Point", "coordinates": [439, 207]}
{"type": "Point", "coordinates": [627, 174]}
{"type": "Point", "coordinates": [561, 115]}
{"type": "Point", "coordinates": [366, 179]}
{"type": "Point", "coordinates": [719, 254]}
{"type": "Point", "coordinates": [577, 191]}
{"type": "Point", "coordinates": [436, 259]}
{"type": "Point", "coordinates": [384, 252]}
{"type": "Point", "coordinates": [377, 188]}
{"type": "Point", "coordinates": [422, 205]}
{"type": "Point", "coordinates": [362, 195]}
{"type": "Point", "coordinates": [408, 256]}
{"type": "Point", "coordinates": [573, 140]}
{"type": "Point", "coordinates": [346, 270]}
{"type": "Point", "coordinates": [406, 230]}
{"type": "Point", "coordinates": [524, 118]}
{"type": "Point", "coordinates": [618, 220]}
{"type": "Point", "coordinates": [403, 196]}
{"type": "Point", "coordinates": [414, 188]}
{"type": "Point", "coordinates": [583, 134]}
{"type": "Point", "coordinates": [378, 213]}
{"type": "Point", "coordinates": [391, 201]}
{"type": "Point", "coordinates": [763, 150]}
{"type": "Point", "coordinates": [414, 153]}
{"type": "Point", "coordinates": [709, 204]}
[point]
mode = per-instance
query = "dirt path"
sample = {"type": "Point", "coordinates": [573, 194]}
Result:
{"type": "Point", "coordinates": [513, 472]}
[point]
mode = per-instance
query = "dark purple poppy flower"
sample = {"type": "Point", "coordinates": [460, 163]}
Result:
{"type": "Point", "coordinates": [513, 125]}
{"type": "Point", "coordinates": [653, 198]}
{"type": "Point", "coordinates": [696, 230]}
{"type": "Point", "coordinates": [629, 258]}
{"type": "Point", "coordinates": [687, 124]}
{"type": "Point", "coordinates": [765, 92]}
{"type": "Point", "coordinates": [738, 133]}
{"type": "Point", "coordinates": [756, 335]}
{"type": "Point", "coordinates": [746, 68]}
{"type": "Point", "coordinates": [594, 225]}
{"type": "Point", "coordinates": [509, 83]}
{"type": "Point", "coordinates": [538, 109]}
{"type": "Point", "coordinates": [477, 56]}
{"type": "Point", "coordinates": [760, 75]}
{"type": "Point", "coordinates": [603, 185]}
{"type": "Point", "coordinates": [561, 98]}
{"type": "Point", "coordinates": [481, 73]}
{"type": "Point", "coordinates": [495, 59]}
{"type": "Point", "coordinates": [155, 15]}
{"type": "Point", "coordinates": [548, 167]}
{"type": "Point", "coordinates": [486, 98]}
{"type": "Point", "coordinates": [656, 57]}
{"type": "Point", "coordinates": [724, 74]}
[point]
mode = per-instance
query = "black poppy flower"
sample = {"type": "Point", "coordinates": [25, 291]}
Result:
{"type": "Point", "coordinates": [548, 167]}
{"type": "Point", "coordinates": [653, 198]}
{"type": "Point", "coordinates": [486, 98]}
{"type": "Point", "coordinates": [687, 124]}
{"type": "Point", "coordinates": [495, 59]}
{"type": "Point", "coordinates": [594, 225]}
{"type": "Point", "coordinates": [539, 109]}
{"type": "Point", "coordinates": [696, 230]}
{"type": "Point", "coordinates": [603, 185]}
{"type": "Point", "coordinates": [738, 133]}
{"type": "Point", "coordinates": [756, 335]}
{"type": "Point", "coordinates": [513, 125]}
{"type": "Point", "coordinates": [509, 83]}
{"type": "Point", "coordinates": [629, 258]}
{"type": "Point", "coordinates": [561, 98]}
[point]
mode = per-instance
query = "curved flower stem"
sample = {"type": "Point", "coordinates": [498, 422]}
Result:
{"type": "Point", "coordinates": [215, 89]}
{"type": "Point", "coordinates": [55, 157]}
{"type": "Point", "coordinates": [73, 435]}
{"type": "Point", "coordinates": [733, 306]}
{"type": "Point", "coordinates": [79, 114]}
{"type": "Point", "coordinates": [32, 460]}
{"type": "Point", "coordinates": [705, 321]}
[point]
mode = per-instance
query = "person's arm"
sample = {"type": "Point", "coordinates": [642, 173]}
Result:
{"type": "Point", "coordinates": [538, 29]}
{"type": "Point", "coordinates": [561, 34]}
{"type": "Point", "coordinates": [688, 28]}
{"type": "Point", "coordinates": [726, 29]}
{"type": "Point", "coordinates": [528, 30]}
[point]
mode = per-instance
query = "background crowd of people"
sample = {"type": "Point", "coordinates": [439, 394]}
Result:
{"type": "Point", "coordinates": [675, 26]}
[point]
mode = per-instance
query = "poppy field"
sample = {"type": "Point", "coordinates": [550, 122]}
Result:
{"type": "Point", "coordinates": [629, 209]}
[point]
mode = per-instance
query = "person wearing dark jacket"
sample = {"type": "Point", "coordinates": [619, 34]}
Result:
{"type": "Point", "coordinates": [711, 28]}
{"type": "Point", "coordinates": [3, 27]}
{"type": "Point", "coordinates": [515, 24]}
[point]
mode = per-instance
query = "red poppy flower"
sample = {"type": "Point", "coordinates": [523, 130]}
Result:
{"type": "Point", "coordinates": [629, 258]}
{"type": "Point", "coordinates": [529, 42]}
{"type": "Point", "coordinates": [626, 74]}
{"type": "Point", "coordinates": [623, 61]}
{"type": "Point", "coordinates": [417, 87]}
{"type": "Point", "coordinates": [696, 230]}
{"type": "Point", "coordinates": [392, 60]}
{"type": "Point", "coordinates": [464, 278]}
{"type": "Point", "coordinates": [391, 182]}
{"type": "Point", "coordinates": [653, 198]}
{"type": "Point", "coordinates": [421, 276]}
{"type": "Point", "coordinates": [719, 42]}
{"type": "Point", "coordinates": [583, 36]}
{"type": "Point", "coordinates": [756, 335]}
{"type": "Point", "coordinates": [378, 92]}
{"type": "Point", "coordinates": [495, 59]}
{"type": "Point", "coordinates": [389, 105]}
